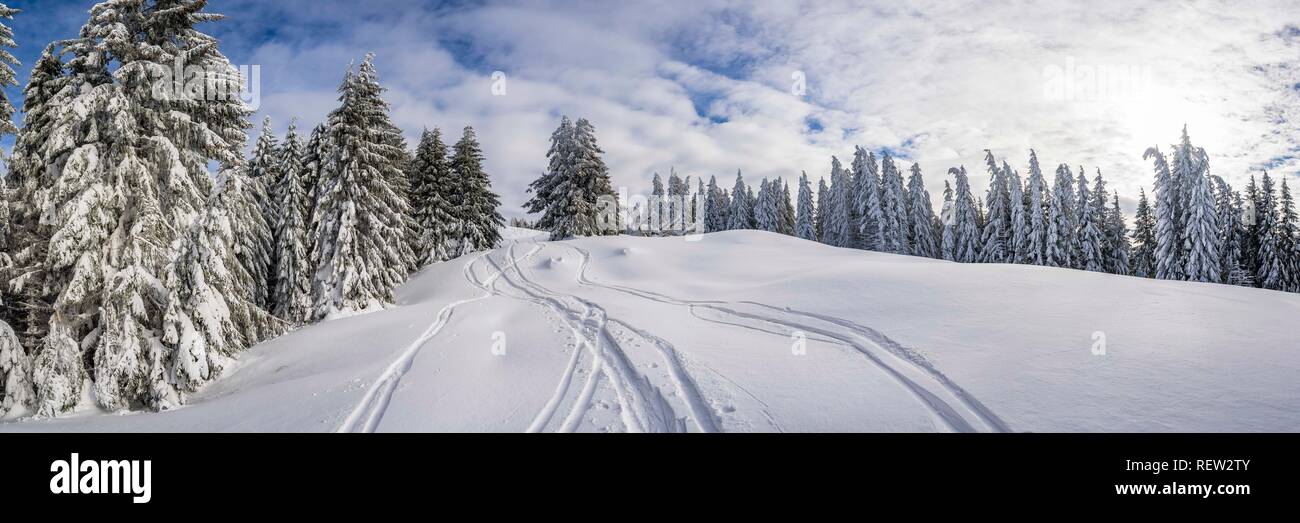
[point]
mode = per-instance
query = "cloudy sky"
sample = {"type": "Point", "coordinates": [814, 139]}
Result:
{"type": "Point", "coordinates": [775, 88]}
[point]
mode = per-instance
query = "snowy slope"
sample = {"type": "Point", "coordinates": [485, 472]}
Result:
{"type": "Point", "coordinates": [664, 334]}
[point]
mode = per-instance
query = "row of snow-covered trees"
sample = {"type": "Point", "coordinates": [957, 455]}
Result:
{"type": "Point", "coordinates": [1198, 229]}
{"type": "Point", "coordinates": [129, 268]}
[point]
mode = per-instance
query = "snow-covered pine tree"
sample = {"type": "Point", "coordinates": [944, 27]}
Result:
{"type": "Point", "coordinates": [265, 174]}
{"type": "Point", "coordinates": [7, 76]}
{"type": "Point", "coordinates": [569, 192]}
{"type": "Point", "coordinates": [1269, 258]}
{"type": "Point", "coordinates": [15, 365]}
{"type": "Point", "coordinates": [1187, 165]}
{"type": "Point", "coordinates": [432, 187]}
{"type": "Point", "coordinates": [315, 156]}
{"type": "Point", "coordinates": [1201, 237]}
{"type": "Point", "coordinates": [948, 234]}
{"type": "Point", "coordinates": [805, 227]}
{"type": "Point", "coordinates": [1238, 274]}
{"type": "Point", "coordinates": [658, 211]}
{"type": "Point", "coordinates": [15, 369]}
{"type": "Point", "coordinates": [1089, 252]}
{"type": "Point", "coordinates": [767, 210]}
{"type": "Point", "coordinates": [965, 219]}
{"type": "Point", "coordinates": [893, 205]}
{"type": "Point", "coordinates": [1061, 223]}
{"type": "Point", "coordinates": [1018, 249]}
{"type": "Point", "coordinates": [921, 218]}
{"type": "Point", "coordinates": [674, 211]}
{"type": "Point", "coordinates": [1286, 239]}
{"type": "Point", "coordinates": [1100, 206]}
{"type": "Point", "coordinates": [210, 316]}
{"type": "Point", "coordinates": [1038, 224]}
{"type": "Point", "coordinates": [823, 196]}
{"type": "Point", "coordinates": [29, 180]}
{"type": "Point", "coordinates": [785, 207]}
{"type": "Point", "coordinates": [1169, 248]}
{"type": "Point", "coordinates": [291, 297]}
{"type": "Point", "coordinates": [477, 207]}
{"type": "Point", "coordinates": [360, 251]}
{"type": "Point", "coordinates": [715, 217]}
{"type": "Point", "coordinates": [1227, 210]}
{"type": "Point", "coordinates": [125, 190]}
{"type": "Point", "coordinates": [838, 225]}
{"type": "Point", "coordinates": [1144, 239]}
{"type": "Point", "coordinates": [741, 213]}
{"type": "Point", "coordinates": [867, 204]}
{"type": "Point", "coordinates": [997, 233]}
{"type": "Point", "coordinates": [1120, 250]}
{"type": "Point", "coordinates": [1250, 228]}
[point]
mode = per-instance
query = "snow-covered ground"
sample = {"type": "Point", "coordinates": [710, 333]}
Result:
{"type": "Point", "coordinates": [751, 331]}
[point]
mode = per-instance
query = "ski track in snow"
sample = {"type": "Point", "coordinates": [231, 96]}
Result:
{"type": "Point", "coordinates": [957, 408]}
{"type": "Point", "coordinates": [367, 415]}
{"type": "Point", "coordinates": [643, 406]}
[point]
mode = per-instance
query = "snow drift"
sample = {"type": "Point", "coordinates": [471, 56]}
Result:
{"type": "Point", "coordinates": [753, 331]}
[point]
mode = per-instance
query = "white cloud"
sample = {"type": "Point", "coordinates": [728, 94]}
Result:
{"type": "Point", "coordinates": [941, 80]}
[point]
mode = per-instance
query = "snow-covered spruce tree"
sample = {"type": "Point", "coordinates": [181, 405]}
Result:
{"type": "Point", "coordinates": [360, 251]}
{"type": "Point", "coordinates": [767, 211]}
{"type": "Point", "coordinates": [893, 204]}
{"type": "Point", "coordinates": [27, 300]}
{"type": "Point", "coordinates": [658, 211]}
{"type": "Point", "coordinates": [432, 186]}
{"type": "Point", "coordinates": [997, 233]}
{"type": "Point", "coordinates": [787, 210]}
{"type": "Point", "coordinates": [315, 155]}
{"type": "Point", "coordinates": [867, 205]}
{"type": "Point", "coordinates": [125, 190]}
{"type": "Point", "coordinates": [1269, 263]}
{"type": "Point", "coordinates": [264, 171]}
{"type": "Point", "coordinates": [1187, 165]}
{"type": "Point", "coordinates": [1038, 224]}
{"type": "Point", "coordinates": [1227, 210]}
{"type": "Point", "coordinates": [804, 222]}
{"type": "Point", "coordinates": [921, 218]}
{"type": "Point", "coordinates": [15, 370]}
{"type": "Point", "coordinates": [947, 234]}
{"type": "Point", "coordinates": [715, 210]}
{"type": "Point", "coordinates": [741, 213]}
{"type": "Point", "coordinates": [7, 76]}
{"type": "Point", "coordinates": [210, 316]}
{"type": "Point", "coordinates": [1250, 228]}
{"type": "Point", "coordinates": [1018, 248]}
{"type": "Point", "coordinates": [1238, 274]}
{"type": "Point", "coordinates": [1089, 253]}
{"type": "Point", "coordinates": [823, 196]}
{"type": "Point", "coordinates": [569, 192]}
{"type": "Point", "coordinates": [838, 225]}
{"type": "Point", "coordinates": [673, 211]}
{"type": "Point", "coordinates": [291, 297]}
{"type": "Point", "coordinates": [1061, 223]}
{"type": "Point", "coordinates": [965, 220]}
{"type": "Point", "coordinates": [1144, 239]}
{"type": "Point", "coordinates": [1201, 237]}
{"type": "Point", "coordinates": [477, 208]}
{"type": "Point", "coordinates": [1120, 251]}
{"type": "Point", "coordinates": [15, 366]}
{"type": "Point", "coordinates": [751, 201]}
{"type": "Point", "coordinates": [1169, 249]}
{"type": "Point", "coordinates": [1286, 239]}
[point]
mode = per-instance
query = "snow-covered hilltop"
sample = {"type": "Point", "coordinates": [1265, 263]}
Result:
{"type": "Point", "coordinates": [663, 334]}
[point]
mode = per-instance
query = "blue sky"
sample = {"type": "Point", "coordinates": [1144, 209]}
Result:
{"type": "Point", "coordinates": [707, 85]}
